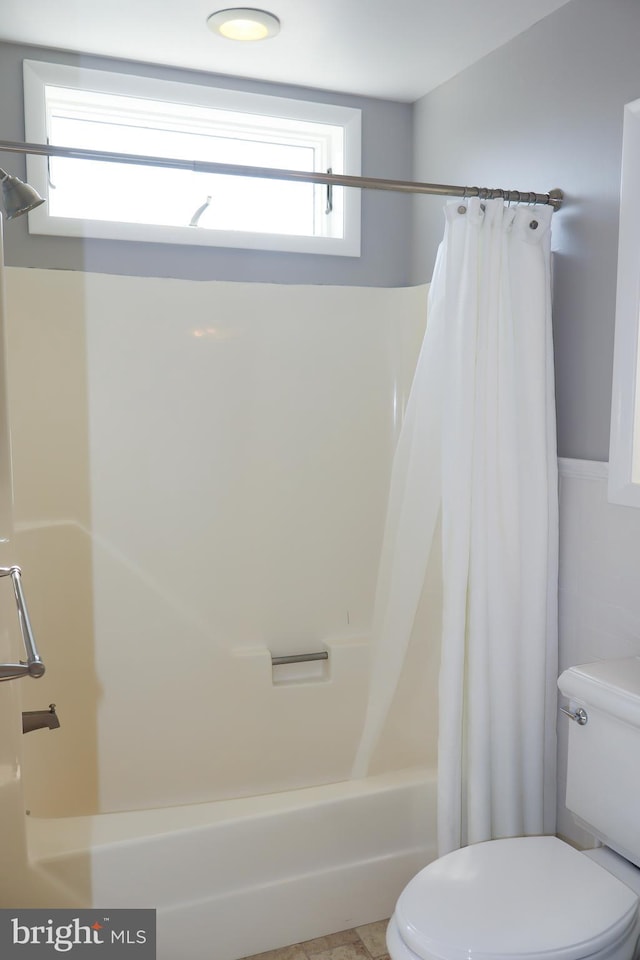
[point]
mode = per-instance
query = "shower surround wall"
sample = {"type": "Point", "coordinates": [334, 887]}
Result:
{"type": "Point", "coordinates": [200, 477]}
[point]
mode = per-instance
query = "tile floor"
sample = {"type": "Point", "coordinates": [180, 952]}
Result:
{"type": "Point", "coordinates": [363, 943]}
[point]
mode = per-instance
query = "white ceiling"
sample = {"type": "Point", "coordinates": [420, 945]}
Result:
{"type": "Point", "coordinates": [398, 50]}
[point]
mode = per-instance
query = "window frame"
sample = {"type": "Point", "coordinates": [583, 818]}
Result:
{"type": "Point", "coordinates": [624, 446]}
{"type": "Point", "coordinates": [39, 74]}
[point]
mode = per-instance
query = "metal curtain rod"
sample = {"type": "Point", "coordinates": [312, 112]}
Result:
{"type": "Point", "coordinates": [553, 198]}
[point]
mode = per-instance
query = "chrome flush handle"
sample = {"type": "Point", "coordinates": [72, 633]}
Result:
{"type": "Point", "coordinates": [33, 666]}
{"type": "Point", "coordinates": [579, 715]}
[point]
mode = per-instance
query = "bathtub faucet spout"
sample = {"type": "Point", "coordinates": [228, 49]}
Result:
{"type": "Point", "coordinates": [37, 719]}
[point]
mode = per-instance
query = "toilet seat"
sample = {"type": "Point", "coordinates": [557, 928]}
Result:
{"type": "Point", "coordinates": [528, 898]}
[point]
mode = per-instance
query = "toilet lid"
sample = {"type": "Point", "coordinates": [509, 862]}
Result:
{"type": "Point", "coordinates": [530, 897]}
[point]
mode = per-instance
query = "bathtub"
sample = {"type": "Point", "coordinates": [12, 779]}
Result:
{"type": "Point", "coordinates": [237, 877]}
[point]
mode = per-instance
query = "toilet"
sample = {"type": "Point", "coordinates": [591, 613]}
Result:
{"type": "Point", "coordinates": [538, 898]}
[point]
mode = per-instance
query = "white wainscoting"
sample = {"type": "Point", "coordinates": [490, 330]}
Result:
{"type": "Point", "coordinates": [599, 585]}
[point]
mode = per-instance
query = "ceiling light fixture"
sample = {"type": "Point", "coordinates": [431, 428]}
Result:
{"type": "Point", "coordinates": [244, 23]}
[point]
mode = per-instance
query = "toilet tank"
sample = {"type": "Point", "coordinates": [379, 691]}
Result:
{"type": "Point", "coordinates": [603, 771]}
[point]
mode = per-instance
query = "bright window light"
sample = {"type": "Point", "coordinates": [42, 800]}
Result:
{"type": "Point", "coordinates": [95, 110]}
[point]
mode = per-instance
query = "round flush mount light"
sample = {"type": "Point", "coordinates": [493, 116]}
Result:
{"type": "Point", "coordinates": [244, 23]}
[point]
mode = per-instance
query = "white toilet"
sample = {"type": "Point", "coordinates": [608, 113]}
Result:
{"type": "Point", "coordinates": [537, 898]}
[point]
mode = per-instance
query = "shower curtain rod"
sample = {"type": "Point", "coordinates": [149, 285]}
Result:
{"type": "Point", "coordinates": [553, 198]}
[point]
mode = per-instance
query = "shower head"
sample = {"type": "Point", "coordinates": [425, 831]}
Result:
{"type": "Point", "coordinates": [17, 197]}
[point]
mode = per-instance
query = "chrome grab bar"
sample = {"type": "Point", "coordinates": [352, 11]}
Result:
{"type": "Point", "coordinates": [299, 658]}
{"type": "Point", "coordinates": [33, 666]}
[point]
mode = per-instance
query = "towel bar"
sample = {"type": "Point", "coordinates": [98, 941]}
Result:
{"type": "Point", "coordinates": [33, 665]}
{"type": "Point", "coordinates": [299, 658]}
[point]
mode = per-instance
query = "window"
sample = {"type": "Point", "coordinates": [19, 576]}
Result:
{"type": "Point", "coordinates": [97, 110]}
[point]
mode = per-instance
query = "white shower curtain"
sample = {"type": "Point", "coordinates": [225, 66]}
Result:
{"type": "Point", "coordinates": [478, 446]}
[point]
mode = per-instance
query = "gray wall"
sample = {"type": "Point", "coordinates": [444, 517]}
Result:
{"type": "Point", "coordinates": [386, 217]}
{"type": "Point", "coordinates": [546, 111]}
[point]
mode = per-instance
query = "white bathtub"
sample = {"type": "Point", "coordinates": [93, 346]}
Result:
{"type": "Point", "coordinates": [238, 877]}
